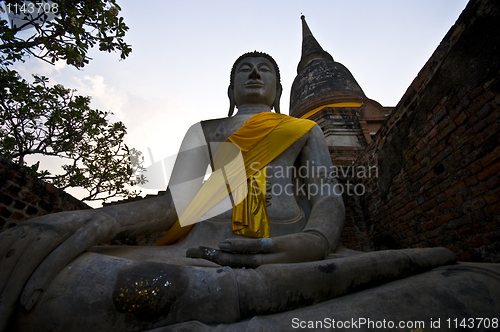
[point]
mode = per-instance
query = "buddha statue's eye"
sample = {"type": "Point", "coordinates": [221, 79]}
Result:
{"type": "Point", "coordinates": [264, 68]}
{"type": "Point", "coordinates": [245, 68]}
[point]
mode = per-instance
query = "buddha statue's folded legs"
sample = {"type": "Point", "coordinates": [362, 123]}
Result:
{"type": "Point", "coordinates": [103, 292]}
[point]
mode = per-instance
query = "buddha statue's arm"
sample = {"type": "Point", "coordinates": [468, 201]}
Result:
{"type": "Point", "coordinates": [328, 212]}
{"type": "Point", "coordinates": [320, 235]}
{"type": "Point", "coordinates": [33, 252]}
{"type": "Point", "coordinates": [159, 213]}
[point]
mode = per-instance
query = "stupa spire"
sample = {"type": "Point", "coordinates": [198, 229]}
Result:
{"type": "Point", "coordinates": [311, 49]}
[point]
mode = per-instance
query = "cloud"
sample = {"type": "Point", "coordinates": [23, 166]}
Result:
{"type": "Point", "coordinates": [103, 96]}
{"type": "Point", "coordinates": [36, 66]}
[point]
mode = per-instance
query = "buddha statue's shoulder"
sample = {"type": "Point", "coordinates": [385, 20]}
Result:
{"type": "Point", "coordinates": [218, 130]}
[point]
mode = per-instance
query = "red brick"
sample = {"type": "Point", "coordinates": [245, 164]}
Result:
{"type": "Point", "coordinates": [29, 197]}
{"type": "Point", "coordinates": [439, 147]}
{"type": "Point", "coordinates": [493, 181]}
{"type": "Point", "coordinates": [409, 233]}
{"type": "Point", "coordinates": [495, 115]}
{"type": "Point", "coordinates": [489, 226]}
{"type": "Point", "coordinates": [479, 189]}
{"type": "Point", "coordinates": [411, 205]}
{"type": "Point", "coordinates": [409, 155]}
{"type": "Point", "coordinates": [464, 103]}
{"type": "Point", "coordinates": [50, 188]}
{"type": "Point", "coordinates": [425, 152]}
{"type": "Point", "coordinates": [414, 168]}
{"type": "Point", "coordinates": [457, 223]}
{"type": "Point", "coordinates": [487, 133]}
{"type": "Point", "coordinates": [471, 181]}
{"type": "Point", "coordinates": [474, 217]}
{"type": "Point", "coordinates": [474, 242]}
{"type": "Point", "coordinates": [443, 219]}
{"type": "Point", "coordinates": [445, 185]}
{"type": "Point", "coordinates": [427, 226]}
{"type": "Point", "coordinates": [420, 79]}
{"type": "Point", "coordinates": [490, 171]}
{"type": "Point", "coordinates": [433, 213]}
{"type": "Point", "coordinates": [485, 110]}
{"type": "Point", "coordinates": [418, 211]}
{"type": "Point", "coordinates": [475, 167]}
{"type": "Point", "coordinates": [464, 256]}
{"type": "Point", "coordinates": [415, 176]}
{"type": "Point", "coordinates": [491, 198]}
{"type": "Point", "coordinates": [473, 205]}
{"type": "Point", "coordinates": [473, 120]}
{"type": "Point", "coordinates": [446, 130]}
{"type": "Point", "coordinates": [457, 155]}
{"type": "Point", "coordinates": [455, 189]}
{"type": "Point", "coordinates": [441, 197]}
{"type": "Point", "coordinates": [457, 200]}
{"type": "Point", "coordinates": [452, 139]}
{"type": "Point", "coordinates": [471, 156]}
{"type": "Point", "coordinates": [480, 126]}
{"type": "Point", "coordinates": [432, 192]}
{"type": "Point", "coordinates": [443, 123]}
{"type": "Point", "coordinates": [427, 177]}
{"type": "Point", "coordinates": [433, 234]}
{"type": "Point", "coordinates": [491, 157]}
{"type": "Point", "coordinates": [466, 136]}
{"type": "Point", "coordinates": [460, 130]}
{"type": "Point", "coordinates": [447, 205]}
{"type": "Point", "coordinates": [475, 92]}
{"type": "Point", "coordinates": [446, 152]}
{"type": "Point", "coordinates": [460, 119]}
{"type": "Point", "coordinates": [433, 133]}
{"type": "Point", "coordinates": [18, 216]}
{"type": "Point", "coordinates": [478, 102]}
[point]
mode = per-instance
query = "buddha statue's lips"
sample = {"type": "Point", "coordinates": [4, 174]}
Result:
{"type": "Point", "coordinates": [252, 84]}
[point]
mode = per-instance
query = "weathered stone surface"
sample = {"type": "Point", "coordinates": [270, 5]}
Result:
{"type": "Point", "coordinates": [96, 288]}
{"type": "Point", "coordinates": [462, 291]}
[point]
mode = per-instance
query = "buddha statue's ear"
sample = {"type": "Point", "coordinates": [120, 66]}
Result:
{"type": "Point", "coordinates": [276, 105]}
{"type": "Point", "coordinates": [232, 102]}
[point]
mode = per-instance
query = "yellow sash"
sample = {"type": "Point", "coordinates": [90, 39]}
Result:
{"type": "Point", "coordinates": [260, 140]}
{"type": "Point", "coordinates": [345, 104]}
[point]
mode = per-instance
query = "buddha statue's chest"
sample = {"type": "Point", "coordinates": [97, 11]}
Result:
{"type": "Point", "coordinates": [219, 130]}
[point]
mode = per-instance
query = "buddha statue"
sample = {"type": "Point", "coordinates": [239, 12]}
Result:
{"type": "Point", "coordinates": [260, 236]}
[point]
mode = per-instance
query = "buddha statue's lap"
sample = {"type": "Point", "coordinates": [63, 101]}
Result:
{"type": "Point", "coordinates": [208, 233]}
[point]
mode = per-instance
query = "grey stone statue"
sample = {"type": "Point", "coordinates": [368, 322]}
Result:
{"type": "Point", "coordinates": [53, 276]}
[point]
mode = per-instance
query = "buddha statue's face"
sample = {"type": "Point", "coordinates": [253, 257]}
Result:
{"type": "Point", "coordinates": [255, 82]}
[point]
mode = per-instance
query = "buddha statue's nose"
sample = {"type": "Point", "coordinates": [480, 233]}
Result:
{"type": "Point", "coordinates": [254, 74]}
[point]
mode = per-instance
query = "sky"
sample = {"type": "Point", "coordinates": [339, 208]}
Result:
{"type": "Point", "coordinates": [182, 53]}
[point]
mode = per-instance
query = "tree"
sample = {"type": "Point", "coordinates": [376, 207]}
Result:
{"type": "Point", "coordinates": [41, 120]}
{"type": "Point", "coordinates": [78, 26]}
{"type": "Point", "coordinates": [37, 118]}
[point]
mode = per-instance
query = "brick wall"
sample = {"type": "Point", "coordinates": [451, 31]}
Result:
{"type": "Point", "coordinates": [357, 227]}
{"type": "Point", "coordinates": [23, 196]}
{"type": "Point", "coordinates": [438, 153]}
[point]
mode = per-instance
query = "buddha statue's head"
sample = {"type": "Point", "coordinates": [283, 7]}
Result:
{"type": "Point", "coordinates": [255, 79]}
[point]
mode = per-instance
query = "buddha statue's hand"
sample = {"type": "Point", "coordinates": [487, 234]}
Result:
{"type": "Point", "coordinates": [34, 252]}
{"type": "Point", "coordinates": [250, 253]}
